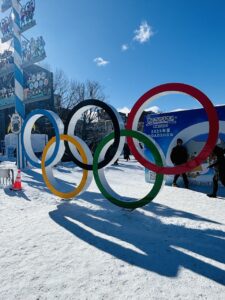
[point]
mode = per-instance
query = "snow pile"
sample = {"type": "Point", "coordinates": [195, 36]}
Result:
{"type": "Point", "coordinates": [90, 249]}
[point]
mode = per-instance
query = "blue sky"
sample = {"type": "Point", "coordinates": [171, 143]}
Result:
{"type": "Point", "coordinates": [176, 41]}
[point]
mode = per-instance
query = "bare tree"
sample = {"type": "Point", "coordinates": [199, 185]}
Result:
{"type": "Point", "coordinates": [71, 92]}
{"type": "Point", "coordinates": [61, 91]}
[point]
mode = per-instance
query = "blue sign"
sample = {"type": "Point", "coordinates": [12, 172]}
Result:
{"type": "Point", "coordinates": [192, 127]}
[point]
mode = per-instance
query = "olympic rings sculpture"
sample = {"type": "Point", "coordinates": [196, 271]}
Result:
{"type": "Point", "coordinates": [94, 166]}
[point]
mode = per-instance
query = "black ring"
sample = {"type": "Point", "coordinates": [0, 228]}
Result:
{"type": "Point", "coordinates": [116, 126]}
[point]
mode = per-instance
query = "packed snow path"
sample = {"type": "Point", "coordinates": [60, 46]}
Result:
{"type": "Point", "coordinates": [174, 248]}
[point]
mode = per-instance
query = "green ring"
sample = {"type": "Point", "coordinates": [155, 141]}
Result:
{"type": "Point", "coordinates": [158, 160]}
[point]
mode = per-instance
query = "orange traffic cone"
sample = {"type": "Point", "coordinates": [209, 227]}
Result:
{"type": "Point", "coordinates": [17, 186]}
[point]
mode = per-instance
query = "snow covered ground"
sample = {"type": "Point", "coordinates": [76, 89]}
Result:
{"type": "Point", "coordinates": [174, 248]}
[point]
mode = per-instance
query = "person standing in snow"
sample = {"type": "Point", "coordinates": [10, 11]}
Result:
{"type": "Point", "coordinates": [110, 153]}
{"type": "Point", "coordinates": [126, 152]}
{"type": "Point", "coordinates": [179, 156]}
{"type": "Point", "coordinates": [219, 167]}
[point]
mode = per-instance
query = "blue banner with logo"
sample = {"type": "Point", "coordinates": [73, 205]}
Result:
{"type": "Point", "coordinates": [192, 127]}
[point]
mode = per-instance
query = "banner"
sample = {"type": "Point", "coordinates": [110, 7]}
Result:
{"type": "Point", "coordinates": [192, 127]}
{"type": "Point", "coordinates": [38, 85]}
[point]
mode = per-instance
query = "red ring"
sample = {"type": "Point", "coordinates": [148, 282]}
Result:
{"type": "Point", "coordinates": [213, 127]}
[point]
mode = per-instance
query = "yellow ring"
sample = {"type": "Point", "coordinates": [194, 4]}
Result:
{"type": "Point", "coordinates": [80, 187]}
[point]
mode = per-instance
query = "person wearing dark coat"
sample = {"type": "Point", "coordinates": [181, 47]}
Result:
{"type": "Point", "coordinates": [126, 152]}
{"type": "Point", "coordinates": [179, 156]}
{"type": "Point", "coordinates": [219, 167]}
{"type": "Point", "coordinates": [110, 153]}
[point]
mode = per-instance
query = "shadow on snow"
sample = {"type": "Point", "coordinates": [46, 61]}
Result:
{"type": "Point", "coordinates": [164, 247]}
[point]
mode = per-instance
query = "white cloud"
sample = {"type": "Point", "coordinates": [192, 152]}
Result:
{"type": "Point", "coordinates": [154, 109]}
{"type": "Point", "coordinates": [143, 33]}
{"type": "Point", "coordinates": [124, 110]}
{"type": "Point", "coordinates": [124, 47]}
{"type": "Point", "coordinates": [100, 61]}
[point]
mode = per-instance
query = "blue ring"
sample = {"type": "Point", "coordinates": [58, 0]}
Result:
{"type": "Point", "coordinates": [47, 114]}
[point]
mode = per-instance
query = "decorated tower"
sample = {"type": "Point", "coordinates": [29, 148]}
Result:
{"type": "Point", "coordinates": [20, 54]}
